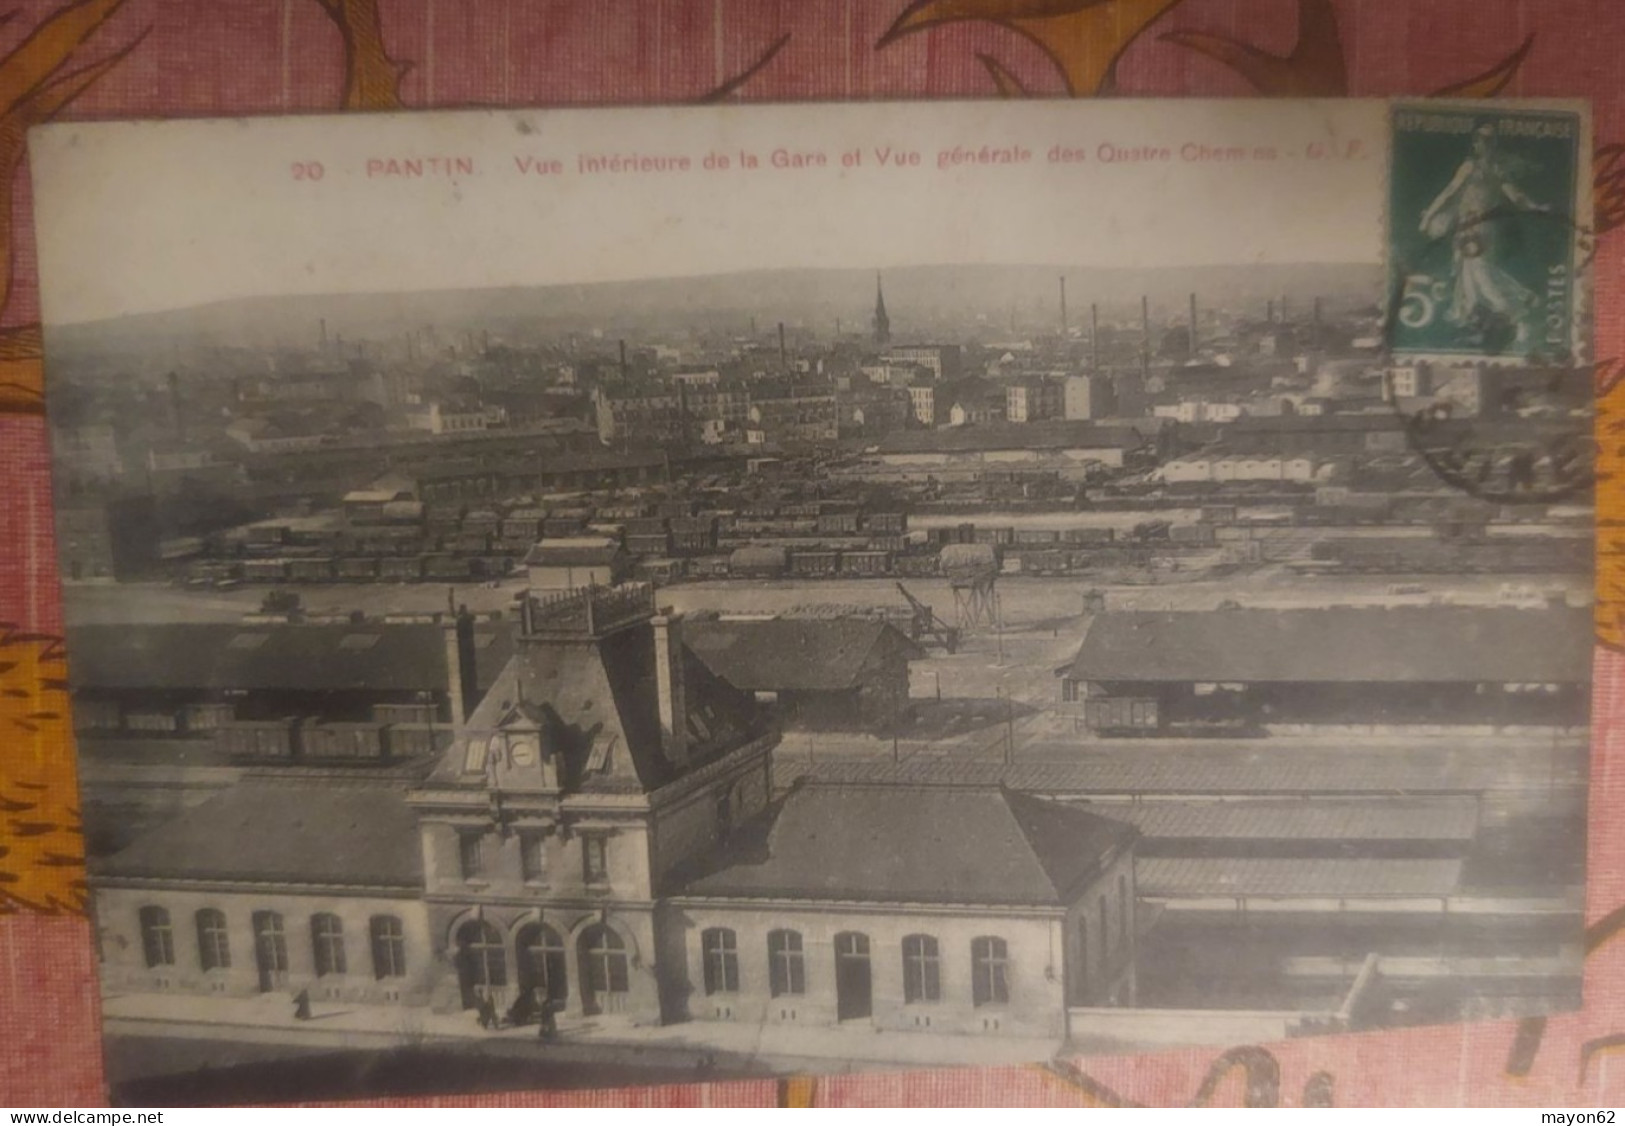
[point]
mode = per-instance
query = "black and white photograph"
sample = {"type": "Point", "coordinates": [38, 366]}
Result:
{"type": "Point", "coordinates": [600, 597]}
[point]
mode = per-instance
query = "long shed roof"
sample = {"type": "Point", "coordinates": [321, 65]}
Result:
{"type": "Point", "coordinates": [1295, 878]}
{"type": "Point", "coordinates": [192, 656]}
{"type": "Point", "coordinates": [1421, 644]}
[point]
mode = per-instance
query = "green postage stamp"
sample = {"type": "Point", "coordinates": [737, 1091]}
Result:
{"type": "Point", "coordinates": [1487, 246]}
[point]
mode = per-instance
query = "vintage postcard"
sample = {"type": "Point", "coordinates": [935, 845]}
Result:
{"type": "Point", "coordinates": [591, 597]}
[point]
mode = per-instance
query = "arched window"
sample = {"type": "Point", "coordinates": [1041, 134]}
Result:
{"type": "Point", "coordinates": [157, 940]}
{"type": "Point", "coordinates": [480, 951]}
{"type": "Point", "coordinates": [720, 948]}
{"type": "Point", "coordinates": [543, 967]}
{"type": "Point", "coordinates": [327, 943]}
{"type": "Point", "coordinates": [604, 978]}
{"type": "Point", "coordinates": [786, 966]}
{"type": "Point", "coordinates": [1123, 913]}
{"type": "Point", "coordinates": [922, 969]}
{"type": "Point", "coordinates": [388, 946]}
{"type": "Point", "coordinates": [213, 944]}
{"type": "Point", "coordinates": [270, 950]}
{"type": "Point", "coordinates": [990, 971]}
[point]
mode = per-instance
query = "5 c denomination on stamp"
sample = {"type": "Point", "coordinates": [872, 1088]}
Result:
{"type": "Point", "coordinates": [1486, 247]}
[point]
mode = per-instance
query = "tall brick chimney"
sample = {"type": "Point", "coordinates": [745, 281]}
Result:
{"type": "Point", "coordinates": [462, 683]}
{"type": "Point", "coordinates": [669, 686]}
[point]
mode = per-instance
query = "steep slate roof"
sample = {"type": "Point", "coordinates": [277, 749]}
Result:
{"type": "Point", "coordinates": [597, 704]}
{"type": "Point", "coordinates": [319, 832]}
{"type": "Point", "coordinates": [912, 844]}
{"type": "Point", "coordinates": [793, 654]}
{"type": "Point", "coordinates": [182, 656]}
{"type": "Point", "coordinates": [1339, 644]}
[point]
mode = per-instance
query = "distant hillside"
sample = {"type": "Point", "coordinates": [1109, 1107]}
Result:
{"type": "Point", "coordinates": [916, 297]}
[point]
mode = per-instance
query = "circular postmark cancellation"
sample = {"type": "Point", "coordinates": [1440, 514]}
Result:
{"type": "Point", "coordinates": [1484, 326]}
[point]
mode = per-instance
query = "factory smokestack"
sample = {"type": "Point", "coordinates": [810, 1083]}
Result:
{"type": "Point", "coordinates": [622, 343]}
{"type": "Point", "coordinates": [784, 356]}
{"type": "Point", "coordinates": [324, 333]}
{"type": "Point", "coordinates": [1145, 335]}
{"type": "Point", "coordinates": [1269, 312]}
{"type": "Point", "coordinates": [1094, 333]}
{"type": "Point", "coordinates": [177, 421]}
{"type": "Point", "coordinates": [1193, 325]}
{"type": "Point", "coordinates": [1063, 305]}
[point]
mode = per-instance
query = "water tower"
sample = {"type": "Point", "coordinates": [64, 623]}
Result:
{"type": "Point", "coordinates": [971, 570]}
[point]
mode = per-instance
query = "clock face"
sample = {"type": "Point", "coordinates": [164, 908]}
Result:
{"type": "Point", "coordinates": [524, 751]}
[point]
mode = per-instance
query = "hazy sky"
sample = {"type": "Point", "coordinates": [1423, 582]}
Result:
{"type": "Point", "coordinates": [141, 217]}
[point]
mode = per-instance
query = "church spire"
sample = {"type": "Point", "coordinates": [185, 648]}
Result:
{"type": "Point", "coordinates": [882, 321]}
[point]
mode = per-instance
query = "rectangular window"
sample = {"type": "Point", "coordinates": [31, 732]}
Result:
{"type": "Point", "coordinates": [213, 945]}
{"type": "Point", "coordinates": [922, 969]}
{"type": "Point", "coordinates": [270, 943]}
{"type": "Point", "coordinates": [388, 947]}
{"type": "Point", "coordinates": [470, 855]}
{"type": "Point", "coordinates": [533, 857]}
{"type": "Point", "coordinates": [327, 944]}
{"type": "Point", "coordinates": [990, 971]}
{"type": "Point", "coordinates": [157, 940]}
{"type": "Point", "coordinates": [786, 966]}
{"type": "Point", "coordinates": [721, 950]}
{"type": "Point", "coordinates": [595, 859]}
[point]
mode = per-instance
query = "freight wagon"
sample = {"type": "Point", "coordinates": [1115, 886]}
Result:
{"type": "Point", "coordinates": [447, 568]}
{"type": "Point", "coordinates": [815, 564]}
{"type": "Point", "coordinates": [863, 563]}
{"type": "Point", "coordinates": [709, 567]}
{"type": "Point", "coordinates": [354, 742]}
{"type": "Point", "coordinates": [407, 569]}
{"type": "Point", "coordinates": [1035, 536]}
{"type": "Point", "coordinates": [357, 569]}
{"type": "Point", "coordinates": [310, 570]}
{"type": "Point", "coordinates": [757, 562]}
{"type": "Point", "coordinates": [918, 566]}
{"type": "Point", "coordinates": [658, 544]}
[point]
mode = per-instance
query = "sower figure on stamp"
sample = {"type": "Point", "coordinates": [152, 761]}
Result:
{"type": "Point", "coordinates": [1467, 210]}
